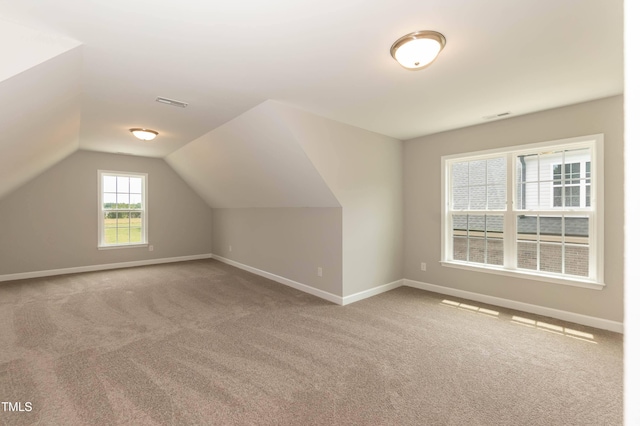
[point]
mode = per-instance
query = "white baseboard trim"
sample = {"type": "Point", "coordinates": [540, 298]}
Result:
{"type": "Point", "coordinates": [371, 292]}
{"type": "Point", "coordinates": [282, 280]}
{"type": "Point", "coordinates": [604, 324]}
{"type": "Point", "coordinates": [104, 267]}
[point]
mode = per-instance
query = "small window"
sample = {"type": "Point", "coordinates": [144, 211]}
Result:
{"type": "Point", "coordinates": [122, 209]}
{"type": "Point", "coordinates": [526, 210]}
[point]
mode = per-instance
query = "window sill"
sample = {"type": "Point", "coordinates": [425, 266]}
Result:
{"type": "Point", "coordinates": [122, 246]}
{"type": "Point", "coordinates": [574, 282]}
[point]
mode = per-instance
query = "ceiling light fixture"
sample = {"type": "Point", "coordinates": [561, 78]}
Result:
{"type": "Point", "coordinates": [144, 134]}
{"type": "Point", "coordinates": [417, 50]}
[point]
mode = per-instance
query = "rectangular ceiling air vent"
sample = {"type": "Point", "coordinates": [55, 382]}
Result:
{"type": "Point", "coordinates": [493, 117]}
{"type": "Point", "coordinates": [171, 102]}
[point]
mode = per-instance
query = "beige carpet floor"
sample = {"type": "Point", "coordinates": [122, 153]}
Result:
{"type": "Point", "coordinates": [204, 343]}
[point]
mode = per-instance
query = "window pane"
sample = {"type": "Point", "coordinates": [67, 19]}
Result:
{"type": "Point", "coordinates": [528, 196]}
{"type": "Point", "coordinates": [110, 235]}
{"type": "Point", "coordinates": [527, 228]}
{"type": "Point", "coordinates": [478, 238]}
{"type": "Point", "coordinates": [527, 255]}
{"type": "Point", "coordinates": [546, 195]}
{"type": "Point", "coordinates": [460, 237]}
{"type": "Point", "coordinates": [477, 250]}
{"type": "Point", "coordinates": [109, 228]}
{"type": "Point", "coordinates": [550, 229]}
{"type": "Point", "coordinates": [495, 251]}
{"type": "Point", "coordinates": [460, 174]}
{"type": "Point", "coordinates": [495, 240]}
{"type": "Point", "coordinates": [109, 201]}
{"type": "Point", "coordinates": [135, 201]}
{"type": "Point", "coordinates": [135, 235]}
{"type": "Point", "coordinates": [123, 184]}
{"type": "Point", "coordinates": [109, 183]}
{"type": "Point", "coordinates": [520, 196]}
{"type": "Point", "coordinates": [529, 167]}
{"type": "Point", "coordinates": [551, 257]}
{"type": "Point", "coordinates": [477, 225]}
{"type": "Point", "coordinates": [573, 174]}
{"type": "Point", "coordinates": [460, 248]}
{"type": "Point", "coordinates": [460, 197]}
{"type": "Point", "coordinates": [572, 196]}
{"type": "Point", "coordinates": [123, 220]}
{"type": "Point", "coordinates": [577, 228]}
{"type": "Point", "coordinates": [460, 231]}
{"type": "Point", "coordinates": [123, 235]}
{"type": "Point", "coordinates": [478, 172]}
{"type": "Point", "coordinates": [557, 194]}
{"type": "Point", "coordinates": [135, 219]}
{"type": "Point", "coordinates": [576, 260]}
{"type": "Point", "coordinates": [110, 220]}
{"type": "Point", "coordinates": [460, 224]}
{"type": "Point", "coordinates": [497, 171]}
{"type": "Point", "coordinates": [135, 185]}
{"type": "Point", "coordinates": [477, 197]}
{"type": "Point", "coordinates": [123, 201]}
{"type": "Point", "coordinates": [495, 225]}
{"type": "Point", "coordinates": [497, 197]}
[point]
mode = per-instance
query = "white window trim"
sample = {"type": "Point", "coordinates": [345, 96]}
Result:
{"type": "Point", "coordinates": [596, 222]}
{"type": "Point", "coordinates": [145, 211]}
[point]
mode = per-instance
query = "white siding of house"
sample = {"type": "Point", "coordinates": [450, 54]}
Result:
{"type": "Point", "coordinates": [543, 184]}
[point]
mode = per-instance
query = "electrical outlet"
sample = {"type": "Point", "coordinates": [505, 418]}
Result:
{"type": "Point", "coordinates": [423, 266]}
{"type": "Point", "coordinates": [150, 247]}
{"type": "Point", "coordinates": [319, 271]}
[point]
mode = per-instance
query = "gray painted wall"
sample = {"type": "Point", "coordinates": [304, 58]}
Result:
{"type": "Point", "coordinates": [51, 222]}
{"type": "Point", "coordinates": [289, 242]}
{"type": "Point", "coordinates": [364, 171]}
{"type": "Point", "coordinates": [422, 210]}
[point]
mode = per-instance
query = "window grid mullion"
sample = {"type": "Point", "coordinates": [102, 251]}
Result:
{"type": "Point", "coordinates": [509, 238]}
{"type": "Point", "coordinates": [563, 183]}
{"type": "Point", "coordinates": [564, 242]}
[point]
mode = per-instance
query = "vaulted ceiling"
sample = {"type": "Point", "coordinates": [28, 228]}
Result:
{"type": "Point", "coordinates": [78, 74]}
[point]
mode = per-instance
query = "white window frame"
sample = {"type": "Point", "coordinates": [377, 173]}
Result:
{"type": "Point", "coordinates": [144, 210]}
{"type": "Point", "coordinates": [595, 212]}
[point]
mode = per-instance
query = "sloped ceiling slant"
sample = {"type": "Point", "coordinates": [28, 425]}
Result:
{"type": "Point", "coordinates": [252, 161]}
{"type": "Point", "coordinates": [39, 118]}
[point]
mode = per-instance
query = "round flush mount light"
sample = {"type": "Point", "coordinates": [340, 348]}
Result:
{"type": "Point", "coordinates": [417, 50]}
{"type": "Point", "coordinates": [144, 134]}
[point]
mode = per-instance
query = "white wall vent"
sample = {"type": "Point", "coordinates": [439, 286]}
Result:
{"type": "Point", "coordinates": [494, 116]}
{"type": "Point", "coordinates": [171, 102]}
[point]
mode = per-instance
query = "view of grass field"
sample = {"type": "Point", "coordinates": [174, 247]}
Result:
{"type": "Point", "coordinates": [123, 230]}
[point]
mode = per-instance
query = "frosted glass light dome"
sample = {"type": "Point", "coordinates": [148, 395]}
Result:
{"type": "Point", "coordinates": [417, 50]}
{"type": "Point", "coordinates": [144, 134]}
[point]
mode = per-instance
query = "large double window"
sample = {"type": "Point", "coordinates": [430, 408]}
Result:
{"type": "Point", "coordinates": [122, 209]}
{"type": "Point", "coordinates": [533, 209]}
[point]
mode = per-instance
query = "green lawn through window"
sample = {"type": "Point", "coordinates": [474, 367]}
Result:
{"type": "Point", "coordinates": [123, 231]}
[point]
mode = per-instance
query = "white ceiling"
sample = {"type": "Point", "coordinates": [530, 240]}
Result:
{"type": "Point", "coordinates": [329, 57]}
